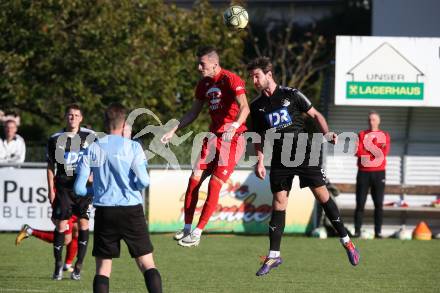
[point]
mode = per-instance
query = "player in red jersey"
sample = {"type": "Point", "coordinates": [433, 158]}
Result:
{"type": "Point", "coordinates": [70, 239]}
{"type": "Point", "coordinates": [225, 94]}
{"type": "Point", "coordinates": [373, 147]}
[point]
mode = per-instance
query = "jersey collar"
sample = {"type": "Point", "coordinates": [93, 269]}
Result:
{"type": "Point", "coordinates": [72, 133]}
{"type": "Point", "coordinates": [273, 94]}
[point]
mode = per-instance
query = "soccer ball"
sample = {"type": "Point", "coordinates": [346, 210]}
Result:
{"type": "Point", "coordinates": [236, 17]}
{"type": "Point", "coordinates": [320, 233]}
{"type": "Point", "coordinates": [366, 234]}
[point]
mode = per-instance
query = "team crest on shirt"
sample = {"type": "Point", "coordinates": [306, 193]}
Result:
{"type": "Point", "coordinates": [214, 94]}
{"type": "Point", "coordinates": [285, 102]}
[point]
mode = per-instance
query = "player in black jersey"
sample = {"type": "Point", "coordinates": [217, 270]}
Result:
{"type": "Point", "coordinates": [278, 114]}
{"type": "Point", "coordinates": [64, 149]}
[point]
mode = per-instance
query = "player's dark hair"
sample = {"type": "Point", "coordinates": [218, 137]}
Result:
{"type": "Point", "coordinates": [205, 50]}
{"type": "Point", "coordinates": [262, 63]}
{"type": "Point", "coordinates": [115, 115]}
{"type": "Point", "coordinates": [72, 107]}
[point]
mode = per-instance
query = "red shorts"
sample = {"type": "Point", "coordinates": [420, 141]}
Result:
{"type": "Point", "coordinates": [220, 157]}
{"type": "Point", "coordinates": [70, 223]}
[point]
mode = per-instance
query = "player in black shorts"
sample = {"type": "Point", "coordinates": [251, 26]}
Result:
{"type": "Point", "coordinates": [119, 169]}
{"type": "Point", "coordinates": [278, 113]}
{"type": "Point", "coordinates": [64, 149]}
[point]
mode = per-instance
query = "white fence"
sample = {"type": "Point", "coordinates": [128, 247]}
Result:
{"type": "Point", "coordinates": [409, 170]}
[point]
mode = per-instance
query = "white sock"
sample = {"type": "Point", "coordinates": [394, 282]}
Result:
{"type": "Point", "coordinates": [187, 227]}
{"type": "Point", "coordinates": [345, 240]}
{"type": "Point", "coordinates": [29, 231]}
{"type": "Point", "coordinates": [197, 232]}
{"type": "Point", "coordinates": [274, 253]}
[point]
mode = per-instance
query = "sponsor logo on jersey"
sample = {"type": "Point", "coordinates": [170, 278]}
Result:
{"type": "Point", "coordinates": [279, 118]}
{"type": "Point", "coordinates": [214, 94]}
{"type": "Point", "coordinates": [72, 157]}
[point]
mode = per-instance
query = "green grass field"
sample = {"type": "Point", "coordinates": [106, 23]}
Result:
{"type": "Point", "coordinates": [228, 264]}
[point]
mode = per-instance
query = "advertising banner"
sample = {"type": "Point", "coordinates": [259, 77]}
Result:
{"type": "Point", "coordinates": [244, 205]}
{"type": "Point", "coordinates": [23, 199]}
{"type": "Point", "coordinates": [387, 71]}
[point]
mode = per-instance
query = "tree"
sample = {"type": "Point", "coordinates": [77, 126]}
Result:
{"type": "Point", "coordinates": [94, 52]}
{"type": "Point", "coordinates": [298, 55]}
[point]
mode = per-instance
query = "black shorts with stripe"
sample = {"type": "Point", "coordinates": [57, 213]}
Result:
{"type": "Point", "coordinates": [281, 178]}
{"type": "Point", "coordinates": [67, 203]}
{"type": "Point", "coordinates": [113, 224]}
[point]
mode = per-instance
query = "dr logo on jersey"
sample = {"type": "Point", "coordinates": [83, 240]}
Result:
{"type": "Point", "coordinates": [72, 157]}
{"type": "Point", "coordinates": [279, 118]}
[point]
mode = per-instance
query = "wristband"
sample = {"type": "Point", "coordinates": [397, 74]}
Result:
{"type": "Point", "coordinates": [236, 125]}
{"type": "Point", "coordinates": [328, 136]}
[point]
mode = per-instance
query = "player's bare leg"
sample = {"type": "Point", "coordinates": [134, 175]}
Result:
{"type": "Point", "coordinates": [191, 199]}
{"type": "Point", "coordinates": [332, 212]}
{"type": "Point", "coordinates": [153, 280]}
{"type": "Point", "coordinates": [214, 187]}
{"type": "Point", "coordinates": [276, 230]}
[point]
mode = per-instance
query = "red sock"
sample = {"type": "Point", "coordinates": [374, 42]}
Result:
{"type": "Point", "coordinates": [43, 235]}
{"type": "Point", "coordinates": [191, 198]}
{"type": "Point", "coordinates": [71, 250]}
{"type": "Point", "coordinates": [210, 205]}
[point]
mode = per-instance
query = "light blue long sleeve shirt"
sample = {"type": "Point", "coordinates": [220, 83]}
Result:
{"type": "Point", "coordinates": [119, 169]}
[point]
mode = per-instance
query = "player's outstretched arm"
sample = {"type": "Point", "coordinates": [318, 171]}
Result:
{"type": "Point", "coordinates": [187, 119]}
{"type": "Point", "coordinates": [322, 124]}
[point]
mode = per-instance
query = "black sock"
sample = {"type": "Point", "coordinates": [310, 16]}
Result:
{"type": "Point", "coordinates": [58, 243]}
{"type": "Point", "coordinates": [101, 284]}
{"type": "Point", "coordinates": [276, 229]}
{"type": "Point", "coordinates": [332, 213]}
{"type": "Point", "coordinates": [153, 281]}
{"type": "Point", "coordinates": [83, 240]}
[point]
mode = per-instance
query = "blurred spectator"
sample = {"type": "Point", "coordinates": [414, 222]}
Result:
{"type": "Point", "coordinates": [373, 147]}
{"type": "Point", "coordinates": [12, 146]}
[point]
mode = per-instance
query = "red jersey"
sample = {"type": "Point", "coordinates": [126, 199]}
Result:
{"type": "Point", "coordinates": [220, 92]}
{"type": "Point", "coordinates": [373, 147]}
